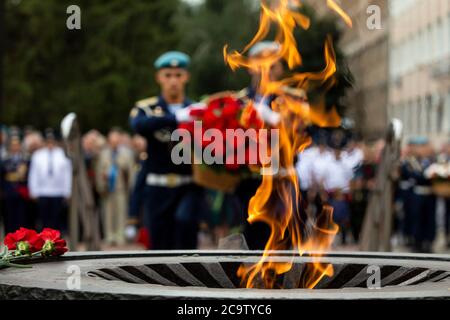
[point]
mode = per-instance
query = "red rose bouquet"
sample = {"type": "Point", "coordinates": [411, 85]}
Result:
{"type": "Point", "coordinates": [225, 114]}
{"type": "Point", "coordinates": [215, 132]}
{"type": "Point", "coordinates": [25, 244]}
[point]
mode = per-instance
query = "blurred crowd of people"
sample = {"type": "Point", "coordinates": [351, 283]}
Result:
{"type": "Point", "coordinates": [36, 178]}
{"type": "Point", "coordinates": [341, 176]}
{"type": "Point", "coordinates": [416, 195]}
{"type": "Point", "coordinates": [345, 178]}
{"type": "Point", "coordinates": [36, 182]}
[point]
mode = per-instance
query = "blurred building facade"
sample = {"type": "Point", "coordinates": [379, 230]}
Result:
{"type": "Point", "coordinates": [367, 52]}
{"type": "Point", "coordinates": [419, 50]}
{"type": "Point", "coordinates": [366, 46]}
{"type": "Point", "coordinates": [401, 69]}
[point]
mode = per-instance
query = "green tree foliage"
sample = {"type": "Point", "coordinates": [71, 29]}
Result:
{"type": "Point", "coordinates": [97, 72]}
{"type": "Point", "coordinates": [207, 28]}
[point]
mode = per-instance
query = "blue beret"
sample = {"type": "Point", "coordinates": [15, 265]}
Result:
{"type": "Point", "coordinates": [262, 46]}
{"type": "Point", "coordinates": [418, 141]}
{"type": "Point", "coordinates": [172, 59]}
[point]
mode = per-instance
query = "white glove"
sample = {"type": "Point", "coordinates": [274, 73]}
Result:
{"type": "Point", "coordinates": [130, 232]}
{"type": "Point", "coordinates": [266, 114]}
{"type": "Point", "coordinates": [184, 114]}
{"type": "Point", "coordinates": [199, 105]}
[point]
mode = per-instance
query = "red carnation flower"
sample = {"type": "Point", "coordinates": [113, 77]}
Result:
{"type": "Point", "coordinates": [24, 241]}
{"type": "Point", "coordinates": [53, 244]}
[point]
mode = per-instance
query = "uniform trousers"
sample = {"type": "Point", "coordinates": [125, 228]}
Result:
{"type": "Point", "coordinates": [447, 217]}
{"type": "Point", "coordinates": [172, 216]}
{"type": "Point", "coordinates": [423, 211]}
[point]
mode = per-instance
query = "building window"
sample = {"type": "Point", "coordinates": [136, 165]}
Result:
{"type": "Point", "coordinates": [423, 46]}
{"type": "Point", "coordinates": [434, 42]}
{"type": "Point", "coordinates": [412, 112]}
{"type": "Point", "coordinates": [447, 35]}
{"type": "Point", "coordinates": [446, 124]}
{"type": "Point", "coordinates": [428, 44]}
{"type": "Point", "coordinates": [419, 116]}
{"type": "Point", "coordinates": [440, 39]}
{"type": "Point", "coordinates": [404, 117]}
{"type": "Point", "coordinates": [398, 7]}
{"type": "Point", "coordinates": [440, 115]}
{"type": "Point", "coordinates": [429, 111]}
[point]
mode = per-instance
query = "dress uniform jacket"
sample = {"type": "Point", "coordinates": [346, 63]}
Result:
{"type": "Point", "coordinates": [153, 119]}
{"type": "Point", "coordinates": [173, 204]}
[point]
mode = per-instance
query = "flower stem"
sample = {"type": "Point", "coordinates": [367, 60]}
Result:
{"type": "Point", "coordinates": [6, 260]}
{"type": "Point", "coordinates": [36, 253]}
{"type": "Point", "coordinates": [9, 264]}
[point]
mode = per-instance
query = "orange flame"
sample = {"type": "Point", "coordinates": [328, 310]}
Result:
{"type": "Point", "coordinates": [276, 201]}
{"type": "Point", "coordinates": [333, 5]}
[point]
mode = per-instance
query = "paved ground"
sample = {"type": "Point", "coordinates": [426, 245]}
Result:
{"type": "Point", "coordinates": [206, 243]}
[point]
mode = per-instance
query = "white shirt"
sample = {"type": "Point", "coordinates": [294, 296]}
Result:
{"type": "Point", "coordinates": [50, 174]}
{"type": "Point", "coordinates": [319, 167]}
{"type": "Point", "coordinates": [173, 108]}
{"type": "Point", "coordinates": [353, 157]}
{"type": "Point", "coordinates": [338, 174]}
{"type": "Point", "coordinates": [304, 167]}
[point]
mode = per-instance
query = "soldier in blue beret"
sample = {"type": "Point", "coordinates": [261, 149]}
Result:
{"type": "Point", "coordinates": [172, 201]}
{"type": "Point", "coordinates": [418, 141]}
{"type": "Point", "coordinates": [257, 234]}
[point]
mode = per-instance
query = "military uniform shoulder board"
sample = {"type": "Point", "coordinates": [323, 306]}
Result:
{"type": "Point", "coordinates": [242, 94]}
{"type": "Point", "coordinates": [134, 112]}
{"type": "Point", "coordinates": [149, 106]}
{"type": "Point", "coordinates": [148, 102]}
